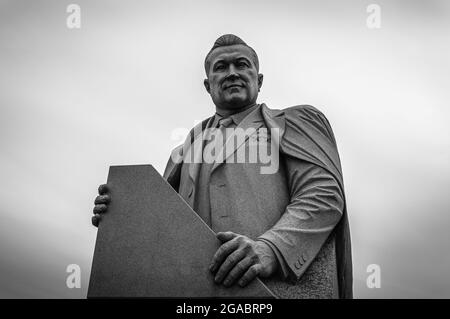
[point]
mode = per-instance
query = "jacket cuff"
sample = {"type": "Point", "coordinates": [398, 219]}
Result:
{"type": "Point", "coordinates": [296, 260]}
{"type": "Point", "coordinates": [283, 269]}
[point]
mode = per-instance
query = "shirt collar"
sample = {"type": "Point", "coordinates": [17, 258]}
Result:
{"type": "Point", "coordinates": [237, 117]}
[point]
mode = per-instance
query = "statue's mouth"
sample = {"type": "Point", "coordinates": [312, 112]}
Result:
{"type": "Point", "coordinates": [233, 86]}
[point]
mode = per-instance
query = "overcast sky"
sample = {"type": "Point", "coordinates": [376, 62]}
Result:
{"type": "Point", "coordinates": [75, 101]}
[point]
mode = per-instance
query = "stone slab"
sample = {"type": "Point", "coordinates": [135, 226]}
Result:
{"type": "Point", "coordinates": [150, 243]}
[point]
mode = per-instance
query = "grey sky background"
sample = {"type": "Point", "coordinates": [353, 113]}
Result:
{"type": "Point", "coordinates": [75, 101]}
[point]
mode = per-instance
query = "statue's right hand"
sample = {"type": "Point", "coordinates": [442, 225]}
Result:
{"type": "Point", "coordinates": [101, 204]}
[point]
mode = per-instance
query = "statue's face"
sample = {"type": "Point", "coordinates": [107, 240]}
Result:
{"type": "Point", "coordinates": [233, 80]}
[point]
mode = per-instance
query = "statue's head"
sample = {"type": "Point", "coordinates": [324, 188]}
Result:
{"type": "Point", "coordinates": [232, 74]}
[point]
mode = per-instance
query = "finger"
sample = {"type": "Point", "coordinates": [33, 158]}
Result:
{"type": "Point", "coordinates": [100, 209]}
{"type": "Point", "coordinates": [229, 263]}
{"type": "Point", "coordinates": [96, 220]}
{"type": "Point", "coordinates": [226, 236]}
{"type": "Point", "coordinates": [102, 199]}
{"type": "Point", "coordinates": [222, 253]}
{"type": "Point", "coordinates": [237, 271]}
{"type": "Point", "coordinates": [103, 189]}
{"type": "Point", "coordinates": [249, 275]}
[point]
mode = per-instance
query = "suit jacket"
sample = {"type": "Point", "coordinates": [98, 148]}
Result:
{"type": "Point", "coordinates": [254, 202]}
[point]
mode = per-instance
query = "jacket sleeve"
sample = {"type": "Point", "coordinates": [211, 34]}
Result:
{"type": "Point", "coordinates": [315, 208]}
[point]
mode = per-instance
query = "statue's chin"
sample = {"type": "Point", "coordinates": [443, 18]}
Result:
{"type": "Point", "coordinates": [236, 102]}
{"type": "Point", "coordinates": [232, 101]}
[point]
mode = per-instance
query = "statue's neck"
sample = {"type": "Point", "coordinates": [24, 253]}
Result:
{"type": "Point", "coordinates": [228, 112]}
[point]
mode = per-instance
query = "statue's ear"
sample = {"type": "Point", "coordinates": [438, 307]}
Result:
{"type": "Point", "coordinates": [260, 81]}
{"type": "Point", "coordinates": [207, 87]}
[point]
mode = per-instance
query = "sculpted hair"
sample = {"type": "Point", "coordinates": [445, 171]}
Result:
{"type": "Point", "coordinates": [228, 40]}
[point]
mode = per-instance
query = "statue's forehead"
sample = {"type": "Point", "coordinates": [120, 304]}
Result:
{"type": "Point", "coordinates": [231, 52]}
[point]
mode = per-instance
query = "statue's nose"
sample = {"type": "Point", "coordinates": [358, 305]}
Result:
{"type": "Point", "coordinates": [232, 71]}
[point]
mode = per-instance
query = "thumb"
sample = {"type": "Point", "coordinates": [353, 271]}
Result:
{"type": "Point", "coordinates": [226, 236]}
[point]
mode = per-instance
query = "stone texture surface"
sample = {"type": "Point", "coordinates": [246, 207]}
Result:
{"type": "Point", "coordinates": [318, 282]}
{"type": "Point", "coordinates": [150, 243]}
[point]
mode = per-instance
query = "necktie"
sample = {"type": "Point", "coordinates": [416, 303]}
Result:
{"type": "Point", "coordinates": [223, 124]}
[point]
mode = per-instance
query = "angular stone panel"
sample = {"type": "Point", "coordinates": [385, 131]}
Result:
{"type": "Point", "coordinates": [150, 243]}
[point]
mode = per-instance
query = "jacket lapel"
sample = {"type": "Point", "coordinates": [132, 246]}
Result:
{"type": "Point", "coordinates": [194, 156]}
{"type": "Point", "coordinates": [274, 118]}
{"type": "Point", "coordinates": [253, 121]}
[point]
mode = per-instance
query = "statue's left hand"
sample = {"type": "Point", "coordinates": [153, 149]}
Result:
{"type": "Point", "coordinates": [241, 259]}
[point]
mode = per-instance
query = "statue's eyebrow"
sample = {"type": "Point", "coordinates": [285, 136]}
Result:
{"type": "Point", "coordinates": [217, 62]}
{"type": "Point", "coordinates": [243, 58]}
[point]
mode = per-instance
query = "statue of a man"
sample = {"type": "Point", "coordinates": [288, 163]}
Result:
{"type": "Point", "coordinates": [271, 225]}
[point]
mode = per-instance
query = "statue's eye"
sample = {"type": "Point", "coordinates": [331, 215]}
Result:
{"type": "Point", "coordinates": [241, 65]}
{"type": "Point", "coordinates": [219, 67]}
